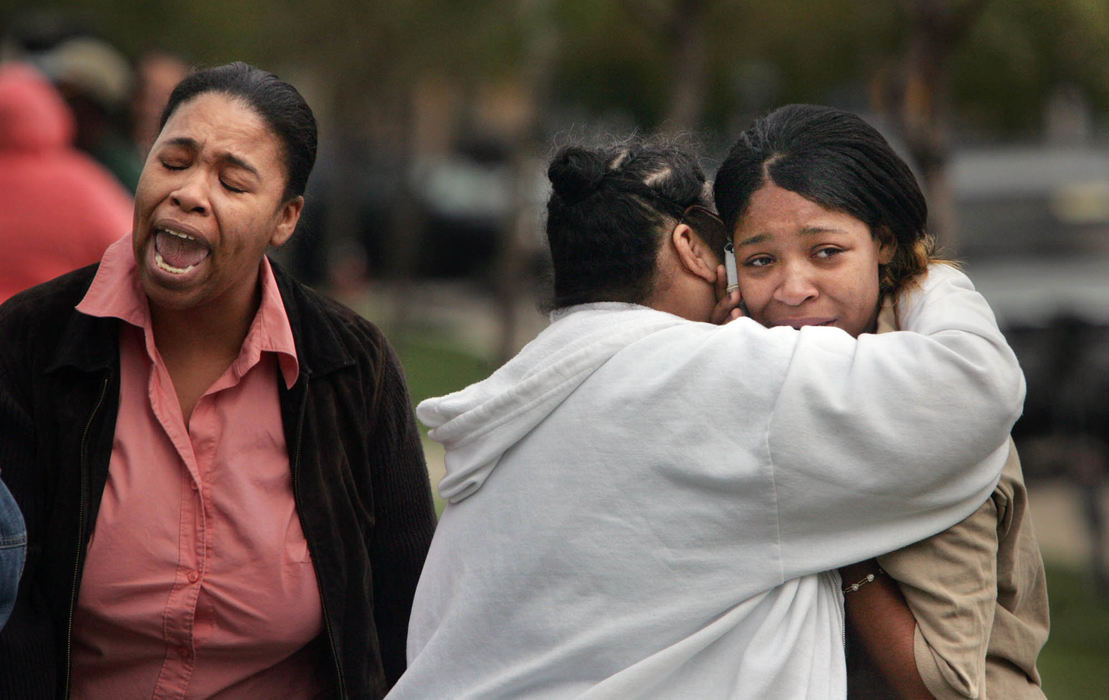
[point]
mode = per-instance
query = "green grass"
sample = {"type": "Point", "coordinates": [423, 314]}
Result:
{"type": "Point", "coordinates": [1074, 664]}
{"type": "Point", "coordinates": [434, 366]}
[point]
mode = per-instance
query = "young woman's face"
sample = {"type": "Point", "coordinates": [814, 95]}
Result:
{"type": "Point", "coordinates": [803, 265]}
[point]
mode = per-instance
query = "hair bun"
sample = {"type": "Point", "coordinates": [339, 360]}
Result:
{"type": "Point", "coordinates": [575, 173]}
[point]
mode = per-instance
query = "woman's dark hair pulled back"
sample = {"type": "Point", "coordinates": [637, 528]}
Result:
{"type": "Point", "coordinates": [277, 102]}
{"type": "Point", "coordinates": [837, 160]}
{"type": "Point", "coordinates": [610, 208]}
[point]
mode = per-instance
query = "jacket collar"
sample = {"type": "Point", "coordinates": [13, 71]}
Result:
{"type": "Point", "coordinates": [319, 347]}
{"type": "Point", "coordinates": [87, 343]}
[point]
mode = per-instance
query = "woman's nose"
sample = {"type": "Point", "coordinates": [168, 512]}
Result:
{"type": "Point", "coordinates": [191, 195]}
{"type": "Point", "coordinates": [796, 286]}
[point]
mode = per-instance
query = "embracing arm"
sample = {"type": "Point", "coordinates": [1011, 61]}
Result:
{"type": "Point", "coordinates": [926, 626]}
{"type": "Point", "coordinates": [946, 586]}
{"type": "Point", "coordinates": [949, 582]}
{"type": "Point", "coordinates": [885, 628]}
{"type": "Point", "coordinates": [901, 438]}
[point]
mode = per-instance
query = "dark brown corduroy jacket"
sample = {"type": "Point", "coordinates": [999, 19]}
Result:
{"type": "Point", "coordinates": [359, 478]}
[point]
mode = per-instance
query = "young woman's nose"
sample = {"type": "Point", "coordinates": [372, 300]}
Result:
{"type": "Point", "coordinates": [191, 194]}
{"type": "Point", "coordinates": [796, 285]}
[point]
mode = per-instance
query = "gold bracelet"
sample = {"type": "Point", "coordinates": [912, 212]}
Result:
{"type": "Point", "coordinates": [869, 578]}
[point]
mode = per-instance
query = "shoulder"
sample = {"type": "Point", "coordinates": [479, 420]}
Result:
{"type": "Point", "coordinates": [327, 330]}
{"type": "Point", "coordinates": [47, 305]}
{"type": "Point", "coordinates": [40, 327]}
{"type": "Point", "coordinates": [946, 299]}
{"type": "Point", "coordinates": [939, 279]}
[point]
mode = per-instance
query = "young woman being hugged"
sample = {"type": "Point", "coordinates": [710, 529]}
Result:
{"type": "Point", "coordinates": [828, 225]}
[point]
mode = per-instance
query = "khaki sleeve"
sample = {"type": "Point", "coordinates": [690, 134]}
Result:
{"type": "Point", "coordinates": [950, 584]}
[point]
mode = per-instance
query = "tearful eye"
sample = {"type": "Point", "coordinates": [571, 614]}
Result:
{"type": "Point", "coordinates": [231, 188]}
{"type": "Point", "coordinates": [168, 165]}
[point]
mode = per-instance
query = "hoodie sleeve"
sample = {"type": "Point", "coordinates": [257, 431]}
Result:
{"type": "Point", "coordinates": [882, 442]}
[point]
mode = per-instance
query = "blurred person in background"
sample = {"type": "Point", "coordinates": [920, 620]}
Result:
{"type": "Point", "coordinates": [13, 551]}
{"type": "Point", "coordinates": [644, 504]}
{"type": "Point", "coordinates": [96, 81]}
{"type": "Point", "coordinates": [220, 471]}
{"type": "Point", "coordinates": [93, 76]}
{"type": "Point", "coordinates": [156, 74]}
{"type": "Point", "coordinates": [59, 209]}
{"type": "Point", "coordinates": [829, 229]}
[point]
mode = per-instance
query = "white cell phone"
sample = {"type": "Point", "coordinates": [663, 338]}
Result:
{"type": "Point", "coordinates": [730, 268]}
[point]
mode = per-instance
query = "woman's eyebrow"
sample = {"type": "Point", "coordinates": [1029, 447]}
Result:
{"type": "Point", "coordinates": [758, 238]}
{"type": "Point", "coordinates": [183, 142]}
{"type": "Point", "coordinates": [193, 145]}
{"type": "Point", "coordinates": [815, 230]}
{"type": "Point", "coordinates": [807, 231]}
{"type": "Point", "coordinates": [239, 163]}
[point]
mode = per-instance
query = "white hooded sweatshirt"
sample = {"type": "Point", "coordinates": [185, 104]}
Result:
{"type": "Point", "coordinates": [645, 506]}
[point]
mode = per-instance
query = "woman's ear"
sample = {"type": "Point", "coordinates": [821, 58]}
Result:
{"type": "Point", "coordinates": [287, 216]}
{"type": "Point", "coordinates": [694, 254]}
{"type": "Point", "coordinates": [887, 246]}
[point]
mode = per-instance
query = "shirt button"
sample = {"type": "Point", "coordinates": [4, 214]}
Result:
{"type": "Point", "coordinates": [193, 486]}
{"type": "Point", "coordinates": [193, 576]}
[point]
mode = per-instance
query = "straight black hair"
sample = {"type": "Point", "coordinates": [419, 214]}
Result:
{"type": "Point", "coordinates": [837, 160]}
{"type": "Point", "coordinates": [277, 102]}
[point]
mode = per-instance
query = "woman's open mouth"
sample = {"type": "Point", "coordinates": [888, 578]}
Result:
{"type": "Point", "coordinates": [176, 252]}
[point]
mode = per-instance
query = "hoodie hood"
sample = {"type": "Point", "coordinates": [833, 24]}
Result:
{"type": "Point", "coordinates": [33, 116]}
{"type": "Point", "coordinates": [479, 423]}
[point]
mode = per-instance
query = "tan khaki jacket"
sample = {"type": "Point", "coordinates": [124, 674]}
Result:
{"type": "Point", "coordinates": [985, 573]}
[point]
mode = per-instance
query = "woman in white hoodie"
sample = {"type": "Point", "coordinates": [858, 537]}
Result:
{"type": "Point", "coordinates": [829, 228]}
{"type": "Point", "coordinates": [644, 504]}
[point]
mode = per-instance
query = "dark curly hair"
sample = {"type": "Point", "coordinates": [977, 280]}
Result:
{"type": "Point", "coordinates": [609, 211]}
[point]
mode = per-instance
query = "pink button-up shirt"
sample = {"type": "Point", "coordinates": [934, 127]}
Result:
{"type": "Point", "coordinates": [198, 580]}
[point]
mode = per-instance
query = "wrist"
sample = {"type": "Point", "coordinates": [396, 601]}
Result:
{"type": "Point", "coordinates": [855, 576]}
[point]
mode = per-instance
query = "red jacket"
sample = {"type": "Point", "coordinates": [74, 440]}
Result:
{"type": "Point", "coordinates": [59, 209]}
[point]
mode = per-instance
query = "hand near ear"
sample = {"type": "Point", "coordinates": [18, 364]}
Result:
{"type": "Point", "coordinates": [727, 305]}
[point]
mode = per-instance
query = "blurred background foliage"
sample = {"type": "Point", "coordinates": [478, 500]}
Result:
{"type": "Point", "coordinates": [1005, 59]}
{"type": "Point", "coordinates": [436, 119]}
{"type": "Point", "coordinates": [413, 78]}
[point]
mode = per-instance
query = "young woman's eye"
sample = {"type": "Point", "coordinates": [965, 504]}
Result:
{"type": "Point", "coordinates": [827, 253]}
{"type": "Point", "coordinates": [758, 261]}
{"type": "Point", "coordinates": [173, 165]}
{"type": "Point", "coordinates": [231, 188]}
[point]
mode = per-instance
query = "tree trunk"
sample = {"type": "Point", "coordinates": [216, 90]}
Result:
{"type": "Point", "coordinates": [513, 286]}
{"type": "Point", "coordinates": [917, 101]}
{"type": "Point", "coordinates": [688, 36]}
